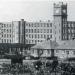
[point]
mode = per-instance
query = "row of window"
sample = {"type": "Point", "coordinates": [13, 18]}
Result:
{"type": "Point", "coordinates": [6, 25]}
{"type": "Point", "coordinates": [6, 41]}
{"type": "Point", "coordinates": [67, 52]}
{"type": "Point", "coordinates": [6, 30]}
{"type": "Point", "coordinates": [67, 37]}
{"type": "Point", "coordinates": [33, 41]}
{"type": "Point", "coordinates": [57, 51]}
{"type": "Point", "coordinates": [71, 24]}
{"type": "Point", "coordinates": [39, 25]}
{"type": "Point", "coordinates": [6, 35]}
{"type": "Point", "coordinates": [38, 30]}
{"type": "Point", "coordinates": [38, 36]}
{"type": "Point", "coordinates": [42, 51]}
{"type": "Point", "coordinates": [69, 31]}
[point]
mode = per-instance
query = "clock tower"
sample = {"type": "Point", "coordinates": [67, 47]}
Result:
{"type": "Point", "coordinates": [60, 19]}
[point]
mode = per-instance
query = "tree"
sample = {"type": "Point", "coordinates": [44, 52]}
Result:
{"type": "Point", "coordinates": [37, 65]}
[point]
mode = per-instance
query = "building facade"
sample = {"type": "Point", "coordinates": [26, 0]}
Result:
{"type": "Point", "coordinates": [25, 32]}
{"type": "Point", "coordinates": [18, 31]}
{"type": "Point", "coordinates": [64, 30]}
{"type": "Point", "coordinates": [60, 19]}
{"type": "Point", "coordinates": [38, 32]}
{"type": "Point", "coordinates": [65, 50]}
{"type": "Point", "coordinates": [35, 32]}
{"type": "Point", "coordinates": [6, 32]}
{"type": "Point", "coordinates": [12, 32]}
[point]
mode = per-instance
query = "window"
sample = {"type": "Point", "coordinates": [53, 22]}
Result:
{"type": "Point", "coordinates": [41, 36]}
{"type": "Point", "coordinates": [51, 36]}
{"type": "Point", "coordinates": [35, 24]}
{"type": "Point", "coordinates": [74, 52]}
{"type": "Point", "coordinates": [44, 30]}
{"type": "Point", "coordinates": [4, 35]}
{"type": "Point", "coordinates": [7, 36]}
{"type": "Point", "coordinates": [7, 25]}
{"type": "Point", "coordinates": [44, 36]}
{"type": "Point", "coordinates": [7, 41]}
{"type": "Point", "coordinates": [31, 30]}
{"type": "Point", "coordinates": [38, 35]}
{"type": "Point", "coordinates": [10, 30]}
{"type": "Point", "coordinates": [72, 31]}
{"type": "Point", "coordinates": [57, 51]}
{"type": "Point", "coordinates": [69, 24]}
{"type": "Point", "coordinates": [10, 35]}
{"type": "Point", "coordinates": [4, 40]}
{"type": "Point", "coordinates": [55, 32]}
{"type": "Point", "coordinates": [41, 40]}
{"type": "Point", "coordinates": [32, 36]}
{"type": "Point", "coordinates": [67, 52]}
{"type": "Point", "coordinates": [47, 30]}
{"type": "Point", "coordinates": [44, 25]}
{"type": "Point", "coordinates": [47, 25]}
{"type": "Point", "coordinates": [47, 36]}
{"type": "Point", "coordinates": [35, 36]}
{"type": "Point", "coordinates": [68, 30]}
{"type": "Point", "coordinates": [72, 25]}
{"type": "Point", "coordinates": [7, 30]}
{"type": "Point", "coordinates": [26, 35]}
{"type": "Point", "coordinates": [35, 31]}
{"type": "Point", "coordinates": [69, 36]}
{"type": "Point", "coordinates": [48, 51]}
{"type": "Point", "coordinates": [4, 25]}
{"type": "Point", "coordinates": [32, 41]}
{"type": "Point", "coordinates": [50, 30]}
{"type": "Point", "coordinates": [10, 25]}
{"type": "Point", "coordinates": [38, 24]}
{"type": "Point", "coordinates": [32, 24]}
{"type": "Point", "coordinates": [35, 41]}
{"type": "Point", "coordinates": [29, 41]}
{"type": "Point", "coordinates": [38, 40]}
{"type": "Point", "coordinates": [4, 30]}
{"type": "Point", "coordinates": [29, 36]}
{"type": "Point", "coordinates": [41, 25]}
{"type": "Point", "coordinates": [41, 30]}
{"type": "Point", "coordinates": [10, 41]}
{"type": "Point", "coordinates": [50, 24]}
{"type": "Point", "coordinates": [29, 25]}
{"type": "Point", "coordinates": [38, 31]}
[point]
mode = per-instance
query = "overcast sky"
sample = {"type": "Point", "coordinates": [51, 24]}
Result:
{"type": "Point", "coordinates": [32, 10]}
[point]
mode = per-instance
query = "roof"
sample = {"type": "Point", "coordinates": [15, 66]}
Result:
{"type": "Point", "coordinates": [69, 44]}
{"type": "Point", "coordinates": [47, 44]}
{"type": "Point", "coordinates": [15, 45]}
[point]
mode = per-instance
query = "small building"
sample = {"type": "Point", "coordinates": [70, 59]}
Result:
{"type": "Point", "coordinates": [65, 50]}
{"type": "Point", "coordinates": [44, 49]}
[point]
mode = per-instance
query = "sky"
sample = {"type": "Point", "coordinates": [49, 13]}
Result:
{"type": "Point", "coordinates": [32, 10]}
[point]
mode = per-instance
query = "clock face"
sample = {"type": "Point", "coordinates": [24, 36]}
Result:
{"type": "Point", "coordinates": [57, 11]}
{"type": "Point", "coordinates": [64, 11]}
